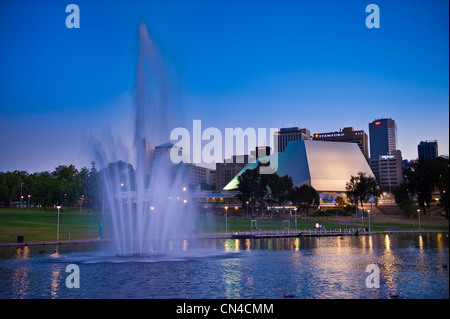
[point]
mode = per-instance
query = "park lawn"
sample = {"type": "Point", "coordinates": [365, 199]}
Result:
{"type": "Point", "coordinates": [396, 222]}
{"type": "Point", "coordinates": [217, 224]}
{"type": "Point", "coordinates": [407, 226]}
{"type": "Point", "coordinates": [41, 225]}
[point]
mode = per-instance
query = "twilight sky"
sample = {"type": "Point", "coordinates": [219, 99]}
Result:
{"type": "Point", "coordinates": [261, 64]}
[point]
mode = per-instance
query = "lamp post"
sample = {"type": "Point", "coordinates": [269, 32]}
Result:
{"type": "Point", "coordinates": [57, 225]}
{"type": "Point", "coordinates": [226, 219]}
{"type": "Point", "coordinates": [368, 213]}
{"type": "Point", "coordinates": [29, 197]}
{"type": "Point", "coordinates": [295, 213]}
{"type": "Point", "coordinates": [81, 201]}
{"type": "Point", "coordinates": [247, 207]}
{"type": "Point", "coordinates": [21, 197]}
{"type": "Point", "coordinates": [418, 214]}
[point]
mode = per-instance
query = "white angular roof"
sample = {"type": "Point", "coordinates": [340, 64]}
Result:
{"type": "Point", "coordinates": [326, 166]}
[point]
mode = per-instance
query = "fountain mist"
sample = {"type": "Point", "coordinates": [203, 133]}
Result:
{"type": "Point", "coordinates": [148, 206]}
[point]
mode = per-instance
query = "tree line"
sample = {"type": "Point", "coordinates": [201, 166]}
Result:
{"type": "Point", "coordinates": [68, 186]}
{"type": "Point", "coordinates": [255, 188]}
{"type": "Point", "coordinates": [421, 179]}
{"type": "Point", "coordinates": [259, 188]}
{"type": "Point", "coordinates": [65, 186]}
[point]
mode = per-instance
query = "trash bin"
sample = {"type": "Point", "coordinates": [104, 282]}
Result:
{"type": "Point", "coordinates": [20, 238]}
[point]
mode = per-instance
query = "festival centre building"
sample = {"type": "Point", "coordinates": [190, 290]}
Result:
{"type": "Point", "coordinates": [326, 166]}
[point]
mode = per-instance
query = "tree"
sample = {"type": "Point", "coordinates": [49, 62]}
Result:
{"type": "Point", "coordinates": [10, 186]}
{"type": "Point", "coordinates": [304, 197]}
{"type": "Point", "coordinates": [45, 189]}
{"type": "Point", "coordinates": [255, 187]}
{"type": "Point", "coordinates": [69, 185]}
{"type": "Point", "coordinates": [93, 185]}
{"type": "Point", "coordinates": [279, 187]}
{"type": "Point", "coordinates": [404, 200]}
{"type": "Point", "coordinates": [361, 187]}
{"type": "Point", "coordinates": [248, 183]}
{"type": "Point", "coordinates": [442, 164]}
{"type": "Point", "coordinates": [424, 176]}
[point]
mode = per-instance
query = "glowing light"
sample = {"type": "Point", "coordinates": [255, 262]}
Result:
{"type": "Point", "coordinates": [248, 244]}
{"type": "Point", "coordinates": [387, 242]}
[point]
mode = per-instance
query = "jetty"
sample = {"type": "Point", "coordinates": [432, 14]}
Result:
{"type": "Point", "coordinates": [300, 233]}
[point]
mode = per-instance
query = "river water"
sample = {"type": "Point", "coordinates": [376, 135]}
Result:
{"type": "Point", "coordinates": [377, 266]}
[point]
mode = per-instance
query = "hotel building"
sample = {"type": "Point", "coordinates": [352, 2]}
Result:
{"type": "Point", "coordinates": [348, 135]}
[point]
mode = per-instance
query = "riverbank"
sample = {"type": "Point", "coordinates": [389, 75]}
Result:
{"type": "Point", "coordinates": [235, 235]}
{"type": "Point", "coordinates": [39, 227]}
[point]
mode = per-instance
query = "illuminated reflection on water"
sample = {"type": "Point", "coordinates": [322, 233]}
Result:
{"type": "Point", "coordinates": [411, 266]}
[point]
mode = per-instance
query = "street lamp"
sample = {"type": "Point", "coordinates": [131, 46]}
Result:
{"type": "Point", "coordinates": [418, 214]}
{"type": "Point", "coordinates": [247, 207]}
{"type": "Point", "coordinates": [57, 226]}
{"type": "Point", "coordinates": [81, 201]}
{"type": "Point", "coordinates": [21, 197]}
{"type": "Point", "coordinates": [29, 196]}
{"type": "Point", "coordinates": [368, 214]}
{"type": "Point", "coordinates": [226, 219]}
{"type": "Point", "coordinates": [295, 213]}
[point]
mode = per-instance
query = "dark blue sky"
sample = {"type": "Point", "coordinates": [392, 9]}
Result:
{"type": "Point", "coordinates": [257, 64]}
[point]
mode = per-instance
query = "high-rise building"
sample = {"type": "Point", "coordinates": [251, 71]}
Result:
{"type": "Point", "coordinates": [428, 149]}
{"type": "Point", "coordinates": [290, 134]}
{"type": "Point", "coordinates": [349, 135]}
{"type": "Point", "coordinates": [383, 137]}
{"type": "Point", "coordinates": [385, 160]}
{"type": "Point", "coordinates": [388, 169]}
{"type": "Point", "coordinates": [260, 151]}
{"type": "Point", "coordinates": [229, 169]}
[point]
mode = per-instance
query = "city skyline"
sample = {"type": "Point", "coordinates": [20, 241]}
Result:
{"type": "Point", "coordinates": [246, 64]}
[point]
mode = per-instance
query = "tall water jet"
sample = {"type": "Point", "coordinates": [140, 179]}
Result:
{"type": "Point", "coordinates": [149, 207]}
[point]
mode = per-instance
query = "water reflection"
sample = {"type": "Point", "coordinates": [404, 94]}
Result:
{"type": "Point", "coordinates": [411, 266]}
{"type": "Point", "coordinates": [389, 267]}
{"type": "Point", "coordinates": [20, 282]}
{"type": "Point", "coordinates": [55, 278]}
{"type": "Point", "coordinates": [248, 244]}
{"type": "Point", "coordinates": [22, 252]}
{"type": "Point", "coordinates": [231, 276]}
{"type": "Point", "coordinates": [440, 242]}
{"type": "Point", "coordinates": [421, 243]}
{"type": "Point", "coordinates": [387, 242]}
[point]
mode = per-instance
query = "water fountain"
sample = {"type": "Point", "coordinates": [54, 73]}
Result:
{"type": "Point", "coordinates": [148, 206]}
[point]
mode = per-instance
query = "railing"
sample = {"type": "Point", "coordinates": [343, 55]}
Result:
{"type": "Point", "coordinates": [290, 232]}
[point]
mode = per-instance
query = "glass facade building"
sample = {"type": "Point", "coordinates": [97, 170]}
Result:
{"type": "Point", "coordinates": [385, 160]}
{"type": "Point", "coordinates": [383, 137]}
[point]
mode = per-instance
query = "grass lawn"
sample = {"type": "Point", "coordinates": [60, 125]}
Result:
{"type": "Point", "coordinates": [217, 224]}
{"type": "Point", "coordinates": [41, 225]}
